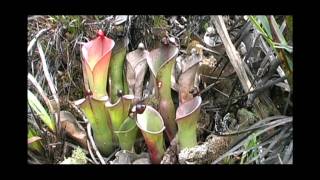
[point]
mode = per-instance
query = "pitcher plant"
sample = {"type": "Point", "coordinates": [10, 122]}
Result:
{"type": "Point", "coordinates": [187, 115]}
{"type": "Point", "coordinates": [152, 126]}
{"type": "Point", "coordinates": [161, 64]}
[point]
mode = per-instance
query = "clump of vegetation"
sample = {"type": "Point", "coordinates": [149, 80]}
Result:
{"type": "Point", "coordinates": [77, 157]}
{"type": "Point", "coordinates": [145, 89]}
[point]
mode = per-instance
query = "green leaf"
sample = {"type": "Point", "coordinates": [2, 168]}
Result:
{"type": "Point", "coordinates": [37, 145]}
{"type": "Point", "coordinates": [283, 46]}
{"type": "Point", "coordinates": [289, 61]}
{"type": "Point", "coordinates": [260, 29]}
{"type": "Point", "coordinates": [250, 147]}
{"type": "Point", "coordinates": [283, 25]}
{"type": "Point", "coordinates": [265, 24]}
{"type": "Point", "coordinates": [277, 31]}
{"type": "Point", "coordinates": [289, 28]}
{"type": "Point", "coordinates": [289, 23]}
{"type": "Point", "coordinates": [40, 111]}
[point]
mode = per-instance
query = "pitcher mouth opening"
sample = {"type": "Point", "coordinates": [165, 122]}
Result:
{"type": "Point", "coordinates": [188, 108]}
{"type": "Point", "coordinates": [142, 120]}
{"type": "Point", "coordinates": [85, 51]}
{"type": "Point", "coordinates": [156, 52]}
{"type": "Point", "coordinates": [137, 56]}
{"type": "Point", "coordinates": [126, 97]}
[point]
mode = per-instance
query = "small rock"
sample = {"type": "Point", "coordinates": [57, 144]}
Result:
{"type": "Point", "coordinates": [193, 155]}
{"type": "Point", "coordinates": [123, 157]}
{"type": "Point", "coordinates": [205, 153]}
{"type": "Point", "coordinates": [142, 161]}
{"type": "Point", "coordinates": [127, 157]}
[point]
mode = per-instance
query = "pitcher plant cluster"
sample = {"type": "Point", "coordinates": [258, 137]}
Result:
{"type": "Point", "coordinates": [114, 100]}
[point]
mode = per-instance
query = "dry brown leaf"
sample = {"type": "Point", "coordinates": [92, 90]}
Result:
{"type": "Point", "coordinates": [33, 139]}
{"type": "Point", "coordinates": [136, 70]}
{"type": "Point", "coordinates": [73, 129]}
{"type": "Point", "coordinates": [189, 68]}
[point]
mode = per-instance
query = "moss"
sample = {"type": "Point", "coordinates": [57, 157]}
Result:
{"type": "Point", "coordinates": [204, 26]}
{"type": "Point", "coordinates": [78, 157]}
